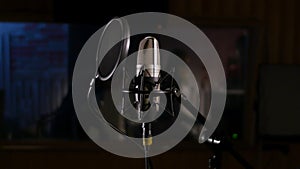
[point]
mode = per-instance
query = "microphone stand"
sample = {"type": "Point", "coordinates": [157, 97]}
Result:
{"type": "Point", "coordinates": [146, 127]}
{"type": "Point", "coordinates": [218, 146]}
{"type": "Point", "coordinates": [147, 142]}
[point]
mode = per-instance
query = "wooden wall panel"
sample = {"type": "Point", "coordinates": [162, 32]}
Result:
{"type": "Point", "coordinates": [258, 9]}
{"type": "Point", "coordinates": [243, 8]}
{"type": "Point", "coordinates": [273, 29]}
{"type": "Point", "coordinates": [227, 8]}
{"type": "Point", "coordinates": [287, 33]}
{"type": "Point", "coordinates": [296, 51]}
{"type": "Point", "coordinates": [278, 17]}
{"type": "Point", "coordinates": [26, 10]}
{"type": "Point", "coordinates": [179, 7]}
{"type": "Point", "coordinates": [211, 8]}
{"type": "Point", "coordinates": [196, 8]}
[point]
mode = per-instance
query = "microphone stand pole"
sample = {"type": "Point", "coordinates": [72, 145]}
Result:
{"type": "Point", "coordinates": [218, 146]}
{"type": "Point", "coordinates": [146, 127]}
{"type": "Point", "coordinates": [147, 142]}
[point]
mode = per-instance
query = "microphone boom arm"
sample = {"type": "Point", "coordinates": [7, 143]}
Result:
{"type": "Point", "coordinates": [218, 146]}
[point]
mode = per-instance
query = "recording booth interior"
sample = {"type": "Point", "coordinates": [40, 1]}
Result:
{"type": "Point", "coordinates": [257, 42]}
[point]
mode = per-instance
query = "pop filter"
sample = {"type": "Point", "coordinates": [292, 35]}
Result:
{"type": "Point", "coordinates": [116, 32]}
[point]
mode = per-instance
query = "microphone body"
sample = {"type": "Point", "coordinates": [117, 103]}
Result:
{"type": "Point", "coordinates": [147, 74]}
{"type": "Point", "coordinates": [149, 58]}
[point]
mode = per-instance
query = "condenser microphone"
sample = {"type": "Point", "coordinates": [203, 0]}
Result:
{"type": "Point", "coordinates": [147, 74]}
{"type": "Point", "coordinates": [148, 58]}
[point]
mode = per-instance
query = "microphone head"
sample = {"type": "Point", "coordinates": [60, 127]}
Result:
{"type": "Point", "coordinates": [149, 57]}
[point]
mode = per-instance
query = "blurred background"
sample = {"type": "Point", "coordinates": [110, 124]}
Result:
{"type": "Point", "coordinates": [258, 44]}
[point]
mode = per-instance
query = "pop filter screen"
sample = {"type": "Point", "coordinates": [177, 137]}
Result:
{"type": "Point", "coordinates": [112, 35]}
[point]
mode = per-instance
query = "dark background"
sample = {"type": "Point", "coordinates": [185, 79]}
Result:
{"type": "Point", "coordinates": [276, 22]}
